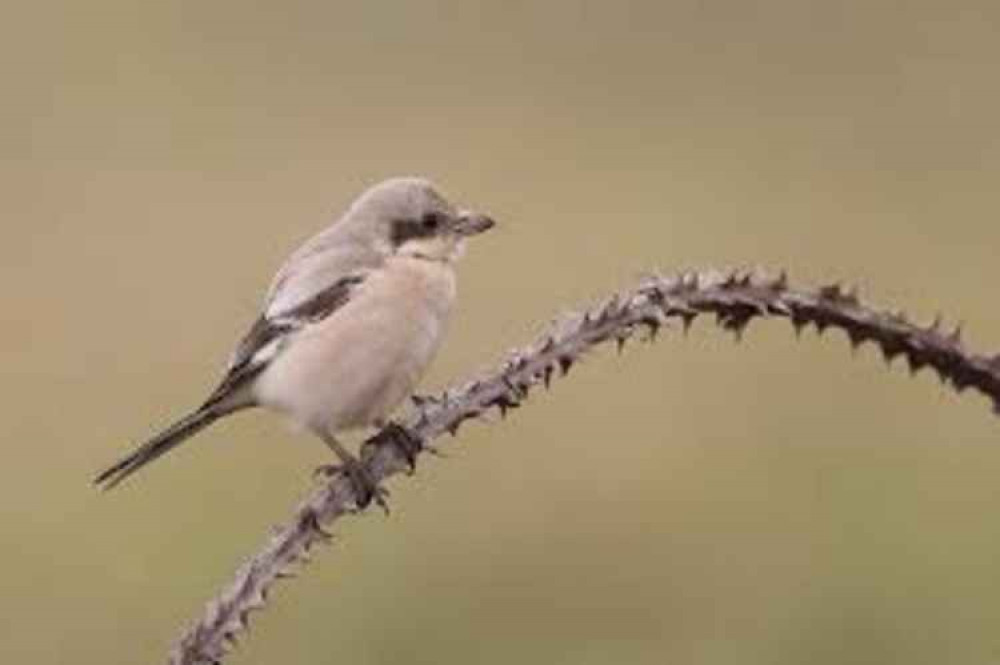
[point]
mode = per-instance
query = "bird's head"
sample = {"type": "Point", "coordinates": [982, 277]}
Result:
{"type": "Point", "coordinates": [409, 217]}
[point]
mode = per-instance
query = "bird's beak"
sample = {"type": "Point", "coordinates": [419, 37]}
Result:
{"type": "Point", "coordinates": [472, 223]}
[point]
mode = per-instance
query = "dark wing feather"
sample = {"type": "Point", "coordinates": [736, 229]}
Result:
{"type": "Point", "coordinates": [248, 361]}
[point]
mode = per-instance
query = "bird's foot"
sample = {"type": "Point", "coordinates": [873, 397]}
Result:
{"type": "Point", "coordinates": [408, 445]}
{"type": "Point", "coordinates": [366, 488]}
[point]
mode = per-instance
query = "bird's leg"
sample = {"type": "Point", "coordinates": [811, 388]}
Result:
{"type": "Point", "coordinates": [365, 487]}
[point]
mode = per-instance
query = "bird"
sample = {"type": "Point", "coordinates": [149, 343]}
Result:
{"type": "Point", "coordinates": [349, 324]}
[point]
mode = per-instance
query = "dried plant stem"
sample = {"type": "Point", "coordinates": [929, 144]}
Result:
{"type": "Point", "coordinates": [735, 298]}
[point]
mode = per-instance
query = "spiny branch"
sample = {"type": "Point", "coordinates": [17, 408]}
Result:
{"type": "Point", "coordinates": [734, 298]}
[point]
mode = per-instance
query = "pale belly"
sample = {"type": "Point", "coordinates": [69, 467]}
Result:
{"type": "Point", "coordinates": [356, 366]}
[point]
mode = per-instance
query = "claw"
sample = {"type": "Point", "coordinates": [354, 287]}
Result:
{"type": "Point", "coordinates": [405, 443]}
{"type": "Point", "coordinates": [366, 489]}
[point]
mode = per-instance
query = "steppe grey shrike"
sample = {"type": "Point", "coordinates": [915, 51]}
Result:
{"type": "Point", "coordinates": [350, 323]}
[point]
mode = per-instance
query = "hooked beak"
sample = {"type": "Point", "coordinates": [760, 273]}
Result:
{"type": "Point", "coordinates": [471, 223]}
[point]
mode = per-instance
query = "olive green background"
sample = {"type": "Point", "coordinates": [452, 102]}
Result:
{"type": "Point", "coordinates": [692, 502]}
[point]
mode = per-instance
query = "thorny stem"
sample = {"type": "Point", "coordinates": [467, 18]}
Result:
{"type": "Point", "coordinates": [735, 298]}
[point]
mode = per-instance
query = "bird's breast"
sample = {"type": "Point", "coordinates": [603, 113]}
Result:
{"type": "Point", "coordinates": [359, 363]}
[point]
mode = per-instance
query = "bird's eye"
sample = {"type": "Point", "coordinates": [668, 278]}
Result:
{"type": "Point", "coordinates": [431, 221]}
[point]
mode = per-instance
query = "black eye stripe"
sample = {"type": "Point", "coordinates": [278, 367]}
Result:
{"type": "Point", "coordinates": [403, 230]}
{"type": "Point", "coordinates": [407, 229]}
{"type": "Point", "coordinates": [431, 220]}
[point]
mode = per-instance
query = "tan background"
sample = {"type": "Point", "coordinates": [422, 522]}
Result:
{"type": "Point", "coordinates": [694, 502]}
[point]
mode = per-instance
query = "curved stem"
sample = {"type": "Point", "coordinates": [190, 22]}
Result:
{"type": "Point", "coordinates": [734, 298]}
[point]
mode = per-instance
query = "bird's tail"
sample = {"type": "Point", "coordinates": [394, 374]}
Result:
{"type": "Point", "coordinates": [173, 436]}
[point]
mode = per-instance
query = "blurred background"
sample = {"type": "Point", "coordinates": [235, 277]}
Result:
{"type": "Point", "coordinates": [693, 502]}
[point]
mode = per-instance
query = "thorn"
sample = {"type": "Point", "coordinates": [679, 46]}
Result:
{"type": "Point", "coordinates": [735, 321]}
{"type": "Point", "coordinates": [257, 597]}
{"type": "Point", "coordinates": [799, 322]}
{"type": "Point", "coordinates": [611, 308]}
{"type": "Point", "coordinates": [309, 521]}
{"type": "Point", "coordinates": [565, 362]}
{"type": "Point", "coordinates": [897, 316]}
{"type": "Point", "coordinates": [547, 375]}
{"type": "Point", "coordinates": [831, 292]}
{"type": "Point", "coordinates": [857, 337]}
{"type": "Point", "coordinates": [517, 390]}
{"type": "Point", "coordinates": [956, 336]}
{"type": "Point", "coordinates": [890, 349]}
{"type": "Point", "coordinates": [506, 402]}
{"type": "Point", "coordinates": [322, 534]}
{"type": "Point", "coordinates": [959, 381]}
{"type": "Point", "coordinates": [916, 362]}
{"type": "Point", "coordinates": [652, 324]}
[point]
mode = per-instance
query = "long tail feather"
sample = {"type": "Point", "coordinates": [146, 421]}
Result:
{"type": "Point", "coordinates": [163, 442]}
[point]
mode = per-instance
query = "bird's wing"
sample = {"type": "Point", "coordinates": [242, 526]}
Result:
{"type": "Point", "coordinates": [315, 281]}
{"type": "Point", "coordinates": [257, 348]}
{"type": "Point", "coordinates": [270, 332]}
